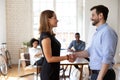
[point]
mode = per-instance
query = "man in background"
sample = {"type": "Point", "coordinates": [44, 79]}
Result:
{"type": "Point", "coordinates": [76, 45]}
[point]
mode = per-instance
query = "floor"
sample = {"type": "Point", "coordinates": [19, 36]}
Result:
{"type": "Point", "coordinates": [14, 75]}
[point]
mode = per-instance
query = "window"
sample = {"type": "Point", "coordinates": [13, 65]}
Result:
{"type": "Point", "coordinates": [69, 14]}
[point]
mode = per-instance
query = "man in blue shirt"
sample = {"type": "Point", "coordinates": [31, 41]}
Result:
{"type": "Point", "coordinates": [103, 47]}
{"type": "Point", "coordinates": [77, 44]}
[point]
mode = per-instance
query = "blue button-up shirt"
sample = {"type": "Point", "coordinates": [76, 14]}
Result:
{"type": "Point", "coordinates": [103, 47]}
{"type": "Point", "coordinates": [78, 46]}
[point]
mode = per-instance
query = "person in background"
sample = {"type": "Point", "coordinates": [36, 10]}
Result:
{"type": "Point", "coordinates": [35, 53]}
{"type": "Point", "coordinates": [77, 45]}
{"type": "Point", "coordinates": [103, 47]}
{"type": "Point", "coordinates": [50, 46]}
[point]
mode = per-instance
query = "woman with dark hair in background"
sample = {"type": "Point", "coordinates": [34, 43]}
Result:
{"type": "Point", "coordinates": [35, 53]}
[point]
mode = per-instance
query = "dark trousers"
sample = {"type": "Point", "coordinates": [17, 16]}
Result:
{"type": "Point", "coordinates": [110, 75]}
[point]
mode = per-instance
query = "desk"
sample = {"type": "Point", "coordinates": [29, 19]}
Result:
{"type": "Point", "coordinates": [78, 62]}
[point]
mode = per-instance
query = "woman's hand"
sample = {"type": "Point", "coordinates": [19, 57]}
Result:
{"type": "Point", "coordinates": [72, 58]}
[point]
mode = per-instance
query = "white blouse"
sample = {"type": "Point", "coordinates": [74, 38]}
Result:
{"type": "Point", "coordinates": [33, 51]}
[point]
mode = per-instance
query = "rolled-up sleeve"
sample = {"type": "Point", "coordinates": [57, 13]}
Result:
{"type": "Point", "coordinates": [109, 44]}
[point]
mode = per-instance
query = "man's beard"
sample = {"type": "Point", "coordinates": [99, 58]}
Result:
{"type": "Point", "coordinates": [95, 22]}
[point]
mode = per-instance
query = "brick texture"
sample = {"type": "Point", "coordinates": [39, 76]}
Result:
{"type": "Point", "coordinates": [19, 25]}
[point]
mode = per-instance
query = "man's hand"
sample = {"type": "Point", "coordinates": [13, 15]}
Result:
{"type": "Point", "coordinates": [72, 58]}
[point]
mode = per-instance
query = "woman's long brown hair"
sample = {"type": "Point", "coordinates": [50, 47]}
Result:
{"type": "Point", "coordinates": [44, 21]}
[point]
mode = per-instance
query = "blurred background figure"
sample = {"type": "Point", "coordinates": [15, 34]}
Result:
{"type": "Point", "coordinates": [35, 53]}
{"type": "Point", "coordinates": [77, 44]}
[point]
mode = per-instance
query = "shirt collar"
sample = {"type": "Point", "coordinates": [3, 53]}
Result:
{"type": "Point", "coordinates": [101, 27]}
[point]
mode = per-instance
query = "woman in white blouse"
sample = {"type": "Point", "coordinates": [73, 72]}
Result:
{"type": "Point", "coordinates": [35, 53]}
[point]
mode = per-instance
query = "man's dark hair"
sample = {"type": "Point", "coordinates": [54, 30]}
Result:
{"type": "Point", "coordinates": [101, 9]}
{"type": "Point", "coordinates": [77, 34]}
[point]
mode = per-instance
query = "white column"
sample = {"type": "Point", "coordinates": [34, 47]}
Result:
{"type": "Point", "coordinates": [2, 21]}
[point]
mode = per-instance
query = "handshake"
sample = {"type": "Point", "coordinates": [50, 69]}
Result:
{"type": "Point", "coordinates": [71, 57]}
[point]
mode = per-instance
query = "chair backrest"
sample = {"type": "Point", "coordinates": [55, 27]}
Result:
{"type": "Point", "coordinates": [27, 56]}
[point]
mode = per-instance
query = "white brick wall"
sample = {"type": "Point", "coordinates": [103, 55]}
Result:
{"type": "Point", "coordinates": [19, 25]}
